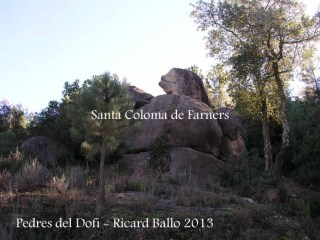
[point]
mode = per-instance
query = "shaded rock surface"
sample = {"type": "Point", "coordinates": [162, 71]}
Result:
{"type": "Point", "coordinates": [203, 135]}
{"type": "Point", "coordinates": [232, 126]}
{"type": "Point", "coordinates": [185, 163]}
{"type": "Point", "coordinates": [43, 148]}
{"type": "Point", "coordinates": [201, 166]}
{"type": "Point", "coordinates": [233, 136]}
{"type": "Point", "coordinates": [140, 97]}
{"type": "Point", "coordinates": [184, 82]}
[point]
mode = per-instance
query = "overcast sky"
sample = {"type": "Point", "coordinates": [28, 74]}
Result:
{"type": "Point", "coordinates": [46, 43]}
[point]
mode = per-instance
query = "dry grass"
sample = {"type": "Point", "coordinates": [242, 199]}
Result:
{"type": "Point", "coordinates": [59, 184]}
{"type": "Point", "coordinates": [32, 175]}
{"type": "Point", "coordinates": [189, 197]}
{"type": "Point", "coordinates": [5, 181]}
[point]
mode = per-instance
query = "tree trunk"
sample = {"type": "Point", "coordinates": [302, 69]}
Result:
{"type": "Point", "coordinates": [101, 193]}
{"type": "Point", "coordinates": [280, 158]}
{"type": "Point", "coordinates": [266, 136]}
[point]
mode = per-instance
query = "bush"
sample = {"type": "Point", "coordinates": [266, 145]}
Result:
{"type": "Point", "coordinates": [8, 142]}
{"type": "Point", "coordinates": [314, 202]}
{"type": "Point", "coordinates": [237, 178]}
{"type": "Point", "coordinates": [59, 184]}
{"type": "Point", "coordinates": [242, 177]}
{"type": "Point", "coordinates": [283, 194]}
{"type": "Point", "coordinates": [5, 181]}
{"type": "Point", "coordinates": [160, 156]}
{"type": "Point", "coordinates": [13, 163]}
{"type": "Point", "coordinates": [300, 208]}
{"type": "Point", "coordinates": [76, 177]}
{"type": "Point", "coordinates": [189, 197]}
{"type": "Point", "coordinates": [305, 134]}
{"type": "Point", "coordinates": [32, 175]}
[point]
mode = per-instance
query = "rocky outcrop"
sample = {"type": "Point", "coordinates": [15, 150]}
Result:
{"type": "Point", "coordinates": [184, 164]}
{"type": "Point", "coordinates": [203, 135]}
{"type": "Point", "coordinates": [43, 148]}
{"type": "Point", "coordinates": [184, 82]}
{"type": "Point", "coordinates": [233, 136]}
{"type": "Point", "coordinates": [200, 166]}
{"type": "Point", "coordinates": [190, 146]}
{"type": "Point", "coordinates": [140, 97]}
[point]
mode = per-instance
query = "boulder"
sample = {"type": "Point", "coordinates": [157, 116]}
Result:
{"type": "Point", "coordinates": [189, 162]}
{"type": "Point", "coordinates": [140, 97]}
{"type": "Point", "coordinates": [43, 148]}
{"type": "Point", "coordinates": [184, 82]}
{"type": "Point", "coordinates": [203, 135]}
{"type": "Point", "coordinates": [185, 164]}
{"type": "Point", "coordinates": [233, 141]}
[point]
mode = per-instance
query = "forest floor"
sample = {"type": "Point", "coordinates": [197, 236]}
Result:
{"type": "Point", "coordinates": [207, 212]}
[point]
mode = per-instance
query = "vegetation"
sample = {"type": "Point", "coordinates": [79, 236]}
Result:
{"type": "Point", "coordinates": [262, 41]}
{"type": "Point", "coordinates": [258, 47]}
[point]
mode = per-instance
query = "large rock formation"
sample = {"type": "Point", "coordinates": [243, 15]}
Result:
{"type": "Point", "coordinates": [233, 136]}
{"type": "Point", "coordinates": [192, 146]}
{"type": "Point", "coordinates": [140, 97]}
{"type": "Point", "coordinates": [184, 164]}
{"type": "Point", "coordinates": [43, 148]}
{"type": "Point", "coordinates": [201, 166]}
{"type": "Point", "coordinates": [203, 135]}
{"type": "Point", "coordinates": [184, 82]}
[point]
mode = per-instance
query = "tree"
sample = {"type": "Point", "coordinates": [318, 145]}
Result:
{"type": "Point", "coordinates": [53, 122]}
{"type": "Point", "coordinates": [105, 94]}
{"type": "Point", "coordinates": [13, 124]}
{"type": "Point", "coordinates": [217, 82]}
{"type": "Point", "coordinates": [279, 28]}
{"type": "Point", "coordinates": [309, 76]}
{"type": "Point", "coordinates": [257, 95]}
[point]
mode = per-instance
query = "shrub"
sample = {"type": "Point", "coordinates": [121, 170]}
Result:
{"type": "Point", "coordinates": [76, 177]}
{"type": "Point", "coordinates": [32, 175]}
{"type": "Point", "coordinates": [136, 184]}
{"type": "Point", "coordinates": [282, 193]}
{"type": "Point", "coordinates": [300, 208]}
{"type": "Point", "coordinates": [236, 178]}
{"type": "Point", "coordinates": [5, 181]}
{"type": "Point", "coordinates": [8, 142]}
{"type": "Point", "coordinates": [59, 184]}
{"type": "Point", "coordinates": [160, 156]}
{"type": "Point", "coordinates": [13, 163]}
{"type": "Point", "coordinates": [242, 177]}
{"type": "Point", "coordinates": [189, 197]}
{"type": "Point", "coordinates": [314, 202]}
{"type": "Point", "coordinates": [263, 218]}
{"type": "Point", "coordinates": [305, 144]}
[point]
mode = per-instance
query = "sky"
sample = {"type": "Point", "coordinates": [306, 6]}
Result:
{"type": "Point", "coordinates": [43, 44]}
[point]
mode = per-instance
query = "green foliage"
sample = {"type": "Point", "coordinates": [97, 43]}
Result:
{"type": "Point", "coordinates": [262, 41]}
{"type": "Point", "coordinates": [305, 165]}
{"type": "Point", "coordinates": [69, 121]}
{"type": "Point", "coordinates": [160, 155]}
{"type": "Point", "coordinates": [13, 123]}
{"type": "Point", "coordinates": [54, 123]}
{"type": "Point", "coordinates": [8, 142]}
{"type": "Point", "coordinates": [300, 208]}
{"type": "Point", "coordinates": [237, 178]}
{"type": "Point", "coordinates": [243, 177]}
{"type": "Point", "coordinates": [314, 203]}
{"type": "Point", "coordinates": [13, 163]}
{"type": "Point", "coordinates": [283, 194]}
{"type": "Point", "coordinates": [106, 94]}
{"type": "Point", "coordinates": [217, 82]}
